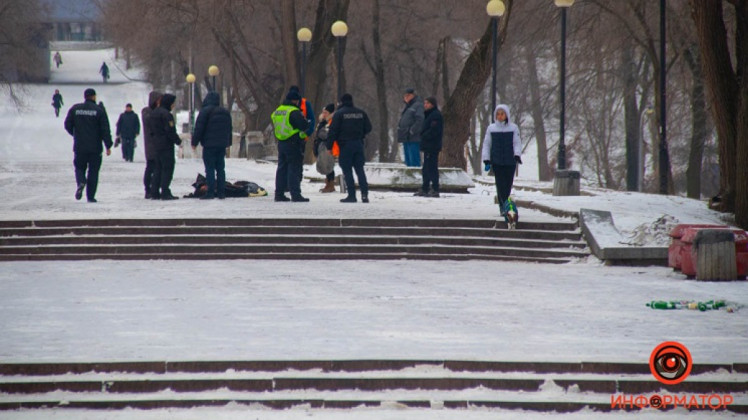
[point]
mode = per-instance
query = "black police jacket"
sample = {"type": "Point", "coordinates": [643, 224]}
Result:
{"type": "Point", "coordinates": [89, 126]}
{"type": "Point", "coordinates": [348, 124]}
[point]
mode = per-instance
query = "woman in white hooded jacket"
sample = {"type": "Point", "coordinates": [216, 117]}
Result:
{"type": "Point", "coordinates": [502, 151]}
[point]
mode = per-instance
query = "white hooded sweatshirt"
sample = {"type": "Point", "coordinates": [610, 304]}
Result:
{"type": "Point", "coordinates": [500, 149]}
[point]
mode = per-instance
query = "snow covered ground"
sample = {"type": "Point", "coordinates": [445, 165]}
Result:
{"type": "Point", "coordinates": [178, 310]}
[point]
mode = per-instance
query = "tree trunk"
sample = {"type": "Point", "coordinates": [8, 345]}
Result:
{"type": "Point", "coordinates": [632, 116]}
{"type": "Point", "coordinates": [461, 104]}
{"type": "Point", "coordinates": [290, 44]}
{"type": "Point", "coordinates": [698, 125]}
{"type": "Point", "coordinates": [384, 138]}
{"type": "Point", "coordinates": [741, 161]}
{"type": "Point", "coordinates": [723, 89]}
{"type": "Point", "coordinates": [536, 108]}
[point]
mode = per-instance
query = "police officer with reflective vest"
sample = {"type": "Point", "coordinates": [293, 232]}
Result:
{"type": "Point", "coordinates": [349, 127]}
{"type": "Point", "coordinates": [289, 125]}
{"type": "Point", "coordinates": [88, 123]}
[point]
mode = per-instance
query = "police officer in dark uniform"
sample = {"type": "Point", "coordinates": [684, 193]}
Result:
{"type": "Point", "coordinates": [349, 127]}
{"type": "Point", "coordinates": [163, 136]}
{"type": "Point", "coordinates": [89, 126]}
{"type": "Point", "coordinates": [289, 126]}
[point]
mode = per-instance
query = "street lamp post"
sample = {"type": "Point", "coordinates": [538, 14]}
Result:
{"type": "Point", "coordinates": [664, 161]}
{"type": "Point", "coordinates": [495, 9]}
{"type": "Point", "coordinates": [304, 35]}
{"type": "Point", "coordinates": [563, 4]}
{"type": "Point", "coordinates": [213, 71]}
{"type": "Point", "coordinates": [191, 80]}
{"type": "Point", "coordinates": [340, 30]}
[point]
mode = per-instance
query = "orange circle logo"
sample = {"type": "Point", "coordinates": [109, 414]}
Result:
{"type": "Point", "coordinates": [670, 363]}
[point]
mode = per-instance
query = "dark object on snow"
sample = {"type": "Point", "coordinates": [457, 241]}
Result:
{"type": "Point", "coordinates": [237, 189]}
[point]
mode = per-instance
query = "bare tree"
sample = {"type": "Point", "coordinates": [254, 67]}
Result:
{"type": "Point", "coordinates": [22, 44]}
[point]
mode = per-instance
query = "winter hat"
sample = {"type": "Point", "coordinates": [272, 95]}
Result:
{"type": "Point", "coordinates": [294, 88]}
{"type": "Point", "coordinates": [293, 96]}
{"type": "Point", "coordinates": [432, 101]}
{"type": "Point", "coordinates": [346, 99]}
{"type": "Point", "coordinates": [128, 106]}
{"type": "Point", "coordinates": [410, 90]}
{"type": "Point", "coordinates": [168, 100]}
{"type": "Point", "coordinates": [88, 93]}
{"type": "Point", "coordinates": [330, 108]}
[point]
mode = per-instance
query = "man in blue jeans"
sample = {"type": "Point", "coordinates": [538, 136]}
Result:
{"type": "Point", "coordinates": [213, 130]}
{"type": "Point", "coordinates": [409, 127]}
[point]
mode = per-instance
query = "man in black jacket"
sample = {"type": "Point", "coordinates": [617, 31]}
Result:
{"type": "Point", "coordinates": [164, 136]}
{"type": "Point", "coordinates": [154, 99]}
{"type": "Point", "coordinates": [89, 126]}
{"type": "Point", "coordinates": [431, 145]}
{"type": "Point", "coordinates": [128, 128]}
{"type": "Point", "coordinates": [349, 127]}
{"type": "Point", "coordinates": [289, 125]}
{"type": "Point", "coordinates": [213, 130]}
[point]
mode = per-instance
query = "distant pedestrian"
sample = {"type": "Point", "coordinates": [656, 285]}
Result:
{"type": "Point", "coordinates": [104, 71]}
{"type": "Point", "coordinates": [213, 130]}
{"type": "Point", "coordinates": [502, 151]}
{"type": "Point", "coordinates": [57, 102]}
{"type": "Point", "coordinates": [409, 127]}
{"type": "Point", "coordinates": [154, 99]}
{"type": "Point", "coordinates": [163, 136]}
{"type": "Point", "coordinates": [431, 145]}
{"type": "Point", "coordinates": [349, 127]}
{"type": "Point", "coordinates": [128, 128]}
{"type": "Point", "coordinates": [289, 125]}
{"type": "Point", "coordinates": [89, 126]}
{"type": "Point", "coordinates": [57, 59]}
{"type": "Point", "coordinates": [323, 131]}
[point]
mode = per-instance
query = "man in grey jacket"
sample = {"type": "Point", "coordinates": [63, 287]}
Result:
{"type": "Point", "coordinates": [409, 127]}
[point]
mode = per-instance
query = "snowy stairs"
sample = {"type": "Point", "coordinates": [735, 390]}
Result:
{"type": "Point", "coordinates": [185, 239]}
{"type": "Point", "coordinates": [425, 384]}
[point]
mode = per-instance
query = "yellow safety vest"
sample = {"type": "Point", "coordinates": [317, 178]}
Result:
{"type": "Point", "coordinates": [282, 123]}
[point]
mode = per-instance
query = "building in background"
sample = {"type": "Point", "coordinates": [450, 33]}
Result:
{"type": "Point", "coordinates": [73, 20]}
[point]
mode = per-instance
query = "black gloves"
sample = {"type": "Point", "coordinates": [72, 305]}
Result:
{"type": "Point", "coordinates": [518, 159]}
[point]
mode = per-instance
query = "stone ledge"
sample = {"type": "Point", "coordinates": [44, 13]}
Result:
{"type": "Point", "coordinates": [397, 177]}
{"type": "Point", "coordinates": [605, 242]}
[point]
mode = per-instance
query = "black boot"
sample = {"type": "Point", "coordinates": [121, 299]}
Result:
{"type": "Point", "coordinates": [299, 199]}
{"type": "Point", "coordinates": [349, 199]}
{"type": "Point", "coordinates": [364, 198]}
{"type": "Point", "coordinates": [282, 198]}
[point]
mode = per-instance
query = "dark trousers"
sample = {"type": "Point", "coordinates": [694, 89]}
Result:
{"type": "Point", "coordinates": [150, 167]}
{"type": "Point", "coordinates": [288, 173]}
{"type": "Point", "coordinates": [214, 159]}
{"type": "Point", "coordinates": [163, 173]}
{"type": "Point", "coordinates": [128, 149]}
{"type": "Point", "coordinates": [430, 171]}
{"type": "Point", "coordinates": [92, 163]}
{"type": "Point", "coordinates": [412, 151]}
{"type": "Point", "coordinates": [331, 176]}
{"type": "Point", "coordinates": [504, 176]}
{"type": "Point", "coordinates": [352, 158]}
{"type": "Point", "coordinates": [57, 111]}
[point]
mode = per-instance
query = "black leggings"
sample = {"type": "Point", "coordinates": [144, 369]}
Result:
{"type": "Point", "coordinates": [504, 176]}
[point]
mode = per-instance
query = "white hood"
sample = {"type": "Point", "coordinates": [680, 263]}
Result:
{"type": "Point", "coordinates": [506, 111]}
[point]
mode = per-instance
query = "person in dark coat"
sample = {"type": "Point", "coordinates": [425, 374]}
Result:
{"type": "Point", "coordinates": [154, 99]}
{"type": "Point", "coordinates": [128, 128]}
{"type": "Point", "coordinates": [323, 130]}
{"type": "Point", "coordinates": [289, 125]}
{"type": "Point", "coordinates": [104, 71]}
{"type": "Point", "coordinates": [431, 145]}
{"type": "Point", "coordinates": [57, 102]}
{"type": "Point", "coordinates": [502, 152]}
{"type": "Point", "coordinates": [213, 130]}
{"type": "Point", "coordinates": [349, 127]}
{"type": "Point", "coordinates": [89, 126]}
{"type": "Point", "coordinates": [57, 59]}
{"type": "Point", "coordinates": [164, 136]}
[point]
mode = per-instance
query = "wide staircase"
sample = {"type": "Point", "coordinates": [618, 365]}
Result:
{"type": "Point", "coordinates": [314, 238]}
{"type": "Point", "coordinates": [384, 384]}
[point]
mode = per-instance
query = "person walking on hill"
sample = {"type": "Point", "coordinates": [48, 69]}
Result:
{"type": "Point", "coordinates": [89, 126]}
{"type": "Point", "coordinates": [128, 128]}
{"type": "Point", "coordinates": [57, 59]}
{"type": "Point", "coordinates": [164, 137]}
{"type": "Point", "coordinates": [349, 127]}
{"type": "Point", "coordinates": [323, 131]}
{"type": "Point", "coordinates": [57, 102]}
{"type": "Point", "coordinates": [104, 71]}
{"type": "Point", "coordinates": [154, 99]}
{"type": "Point", "coordinates": [409, 127]}
{"type": "Point", "coordinates": [431, 145]}
{"type": "Point", "coordinates": [289, 125]}
{"type": "Point", "coordinates": [213, 130]}
{"type": "Point", "coordinates": [502, 151]}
